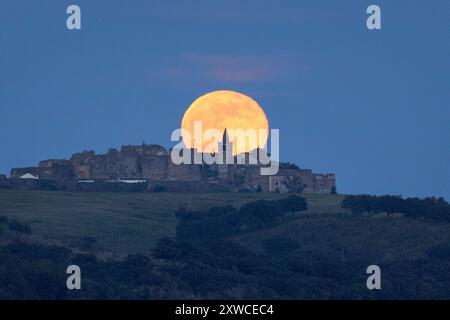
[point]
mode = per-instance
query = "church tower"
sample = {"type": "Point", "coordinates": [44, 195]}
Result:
{"type": "Point", "coordinates": [226, 144]}
{"type": "Point", "coordinates": [226, 152]}
{"type": "Point", "coordinates": [226, 148]}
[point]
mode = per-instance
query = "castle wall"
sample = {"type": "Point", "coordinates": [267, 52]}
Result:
{"type": "Point", "coordinates": [324, 183]}
{"type": "Point", "coordinates": [82, 164]}
{"type": "Point", "coordinates": [154, 167]}
{"type": "Point", "coordinates": [307, 177]}
{"type": "Point", "coordinates": [18, 172]}
{"type": "Point", "coordinates": [263, 182]}
{"type": "Point", "coordinates": [250, 176]}
{"type": "Point", "coordinates": [183, 172]}
{"type": "Point", "coordinates": [60, 171]}
{"type": "Point", "coordinates": [54, 162]}
{"type": "Point", "coordinates": [153, 163]}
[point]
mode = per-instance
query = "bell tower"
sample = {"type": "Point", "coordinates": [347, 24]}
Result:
{"type": "Point", "coordinates": [226, 152]}
{"type": "Point", "coordinates": [226, 144]}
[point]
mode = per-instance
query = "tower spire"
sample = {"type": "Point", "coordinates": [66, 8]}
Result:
{"type": "Point", "coordinates": [225, 140]}
{"type": "Point", "coordinates": [225, 136]}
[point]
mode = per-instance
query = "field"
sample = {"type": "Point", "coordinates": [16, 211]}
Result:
{"type": "Point", "coordinates": [122, 223]}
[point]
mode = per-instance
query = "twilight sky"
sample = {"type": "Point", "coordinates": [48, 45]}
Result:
{"type": "Point", "coordinates": [371, 106]}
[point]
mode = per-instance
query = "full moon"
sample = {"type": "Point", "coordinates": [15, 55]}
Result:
{"type": "Point", "coordinates": [229, 110]}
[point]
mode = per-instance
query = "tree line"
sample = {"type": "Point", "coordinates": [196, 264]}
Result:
{"type": "Point", "coordinates": [432, 208]}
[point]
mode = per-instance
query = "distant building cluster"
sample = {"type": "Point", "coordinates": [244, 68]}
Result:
{"type": "Point", "coordinates": [153, 164]}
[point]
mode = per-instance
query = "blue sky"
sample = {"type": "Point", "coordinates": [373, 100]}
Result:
{"type": "Point", "coordinates": [371, 106]}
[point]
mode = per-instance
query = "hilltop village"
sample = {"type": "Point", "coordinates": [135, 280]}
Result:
{"type": "Point", "coordinates": [151, 167]}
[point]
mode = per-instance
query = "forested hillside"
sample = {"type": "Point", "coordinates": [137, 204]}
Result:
{"type": "Point", "coordinates": [246, 247]}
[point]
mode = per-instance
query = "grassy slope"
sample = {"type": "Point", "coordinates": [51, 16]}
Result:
{"type": "Point", "coordinates": [126, 223]}
{"type": "Point", "coordinates": [121, 222]}
{"type": "Point", "coordinates": [368, 239]}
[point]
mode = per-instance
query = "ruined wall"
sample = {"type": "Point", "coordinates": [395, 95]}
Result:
{"type": "Point", "coordinates": [249, 176]}
{"type": "Point", "coordinates": [18, 172]}
{"type": "Point", "coordinates": [154, 167]}
{"type": "Point", "coordinates": [153, 163]}
{"type": "Point", "coordinates": [184, 172]}
{"type": "Point", "coordinates": [54, 162]}
{"type": "Point", "coordinates": [278, 184]}
{"type": "Point", "coordinates": [57, 172]}
{"type": "Point", "coordinates": [56, 169]}
{"type": "Point", "coordinates": [324, 183]}
{"type": "Point", "coordinates": [307, 177]}
{"type": "Point", "coordinates": [191, 172]}
{"type": "Point", "coordinates": [82, 164]}
{"type": "Point", "coordinates": [131, 162]}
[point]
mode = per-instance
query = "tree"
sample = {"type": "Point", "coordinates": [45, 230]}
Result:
{"type": "Point", "coordinates": [293, 204]}
{"type": "Point", "coordinates": [18, 228]}
{"type": "Point", "coordinates": [333, 190]}
{"type": "Point", "coordinates": [87, 242]}
{"type": "Point", "coordinates": [3, 220]}
{"type": "Point", "coordinates": [265, 211]}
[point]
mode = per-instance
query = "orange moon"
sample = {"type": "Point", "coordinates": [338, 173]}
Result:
{"type": "Point", "coordinates": [229, 110]}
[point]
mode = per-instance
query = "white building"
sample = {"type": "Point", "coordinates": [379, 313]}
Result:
{"type": "Point", "coordinates": [28, 176]}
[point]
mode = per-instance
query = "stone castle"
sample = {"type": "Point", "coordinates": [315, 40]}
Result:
{"type": "Point", "coordinates": [152, 164]}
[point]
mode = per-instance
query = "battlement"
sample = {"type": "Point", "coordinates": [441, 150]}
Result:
{"type": "Point", "coordinates": [54, 162]}
{"type": "Point", "coordinates": [324, 183]}
{"type": "Point", "coordinates": [324, 175]}
{"type": "Point", "coordinates": [145, 149]}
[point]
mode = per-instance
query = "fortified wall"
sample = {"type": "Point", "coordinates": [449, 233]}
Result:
{"type": "Point", "coordinates": [152, 163]}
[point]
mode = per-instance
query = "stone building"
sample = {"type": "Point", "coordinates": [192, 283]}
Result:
{"type": "Point", "coordinates": [153, 163]}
